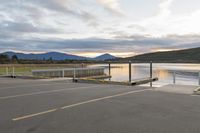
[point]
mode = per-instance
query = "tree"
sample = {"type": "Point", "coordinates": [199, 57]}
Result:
{"type": "Point", "coordinates": [50, 60]}
{"type": "Point", "coordinates": [4, 59]}
{"type": "Point", "coordinates": [14, 59]}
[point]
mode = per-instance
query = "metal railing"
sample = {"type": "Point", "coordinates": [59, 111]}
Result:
{"type": "Point", "coordinates": [14, 71]}
{"type": "Point", "coordinates": [69, 72]}
{"type": "Point", "coordinates": [186, 73]}
{"type": "Point", "coordinates": [51, 72]}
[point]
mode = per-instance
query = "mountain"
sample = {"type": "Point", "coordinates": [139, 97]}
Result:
{"type": "Point", "coordinates": [178, 56]}
{"type": "Point", "coordinates": [57, 56]}
{"type": "Point", "coordinates": [46, 56]}
{"type": "Point", "coordinates": [105, 57]}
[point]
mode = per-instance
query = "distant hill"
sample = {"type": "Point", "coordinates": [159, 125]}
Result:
{"type": "Point", "coordinates": [105, 57]}
{"type": "Point", "coordinates": [57, 56]}
{"type": "Point", "coordinates": [46, 56]}
{"type": "Point", "coordinates": [179, 56]}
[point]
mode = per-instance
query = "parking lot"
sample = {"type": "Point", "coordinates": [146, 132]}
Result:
{"type": "Point", "coordinates": [35, 106]}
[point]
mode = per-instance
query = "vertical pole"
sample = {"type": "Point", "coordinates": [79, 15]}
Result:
{"type": "Point", "coordinates": [151, 72]}
{"type": "Point", "coordinates": [109, 70]}
{"type": "Point", "coordinates": [174, 77]}
{"type": "Point", "coordinates": [130, 71]}
{"type": "Point", "coordinates": [74, 74]}
{"type": "Point", "coordinates": [199, 78]}
{"type": "Point", "coordinates": [13, 72]}
{"type": "Point", "coordinates": [63, 73]}
{"type": "Point", "coordinates": [6, 71]}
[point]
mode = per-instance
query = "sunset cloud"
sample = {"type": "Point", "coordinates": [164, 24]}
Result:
{"type": "Point", "coordinates": [98, 26]}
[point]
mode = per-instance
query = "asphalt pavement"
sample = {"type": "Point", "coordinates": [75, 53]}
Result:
{"type": "Point", "coordinates": [33, 106]}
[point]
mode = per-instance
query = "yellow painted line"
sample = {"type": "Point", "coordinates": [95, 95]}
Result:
{"type": "Point", "coordinates": [44, 92]}
{"type": "Point", "coordinates": [103, 98]}
{"type": "Point", "coordinates": [77, 104]}
{"type": "Point", "coordinates": [32, 115]}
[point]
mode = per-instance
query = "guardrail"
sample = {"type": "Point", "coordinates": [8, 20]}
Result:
{"type": "Point", "coordinates": [188, 73]}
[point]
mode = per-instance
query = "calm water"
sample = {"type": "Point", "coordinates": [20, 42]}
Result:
{"type": "Point", "coordinates": [164, 72]}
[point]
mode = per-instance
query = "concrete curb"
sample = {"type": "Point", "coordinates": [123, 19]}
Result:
{"type": "Point", "coordinates": [133, 83]}
{"type": "Point", "coordinates": [197, 91]}
{"type": "Point", "coordinates": [56, 79]}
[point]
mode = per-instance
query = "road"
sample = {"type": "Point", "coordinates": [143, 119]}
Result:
{"type": "Point", "coordinates": [32, 106]}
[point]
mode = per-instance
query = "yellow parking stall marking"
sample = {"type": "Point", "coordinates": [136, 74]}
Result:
{"type": "Point", "coordinates": [43, 92]}
{"type": "Point", "coordinates": [78, 104]}
{"type": "Point", "coordinates": [32, 115]}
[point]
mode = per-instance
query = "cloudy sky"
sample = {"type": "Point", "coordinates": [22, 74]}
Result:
{"type": "Point", "coordinates": [92, 27]}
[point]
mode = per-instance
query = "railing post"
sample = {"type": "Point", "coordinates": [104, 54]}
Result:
{"type": "Point", "coordinates": [151, 72]}
{"type": "Point", "coordinates": [174, 77]}
{"type": "Point", "coordinates": [130, 71]}
{"type": "Point", "coordinates": [74, 76]}
{"type": "Point", "coordinates": [13, 72]}
{"type": "Point", "coordinates": [63, 73]}
{"type": "Point", "coordinates": [6, 71]}
{"type": "Point", "coordinates": [199, 77]}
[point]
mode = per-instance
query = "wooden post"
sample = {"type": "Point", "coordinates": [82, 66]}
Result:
{"type": "Point", "coordinates": [109, 70]}
{"type": "Point", "coordinates": [151, 72]}
{"type": "Point", "coordinates": [130, 71]}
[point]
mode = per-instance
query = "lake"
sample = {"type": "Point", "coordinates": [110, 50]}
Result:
{"type": "Point", "coordinates": [186, 74]}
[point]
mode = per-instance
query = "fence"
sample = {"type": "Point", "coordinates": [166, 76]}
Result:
{"type": "Point", "coordinates": [15, 71]}
{"type": "Point", "coordinates": [69, 72]}
{"type": "Point", "coordinates": [26, 69]}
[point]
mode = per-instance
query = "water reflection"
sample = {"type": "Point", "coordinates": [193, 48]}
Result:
{"type": "Point", "coordinates": [162, 74]}
{"type": "Point", "coordinates": [163, 71]}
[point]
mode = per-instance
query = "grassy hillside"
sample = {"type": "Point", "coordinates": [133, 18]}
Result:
{"type": "Point", "coordinates": [179, 56]}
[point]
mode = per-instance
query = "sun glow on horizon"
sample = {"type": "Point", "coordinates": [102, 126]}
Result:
{"type": "Point", "coordinates": [164, 50]}
{"type": "Point", "coordinates": [95, 54]}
